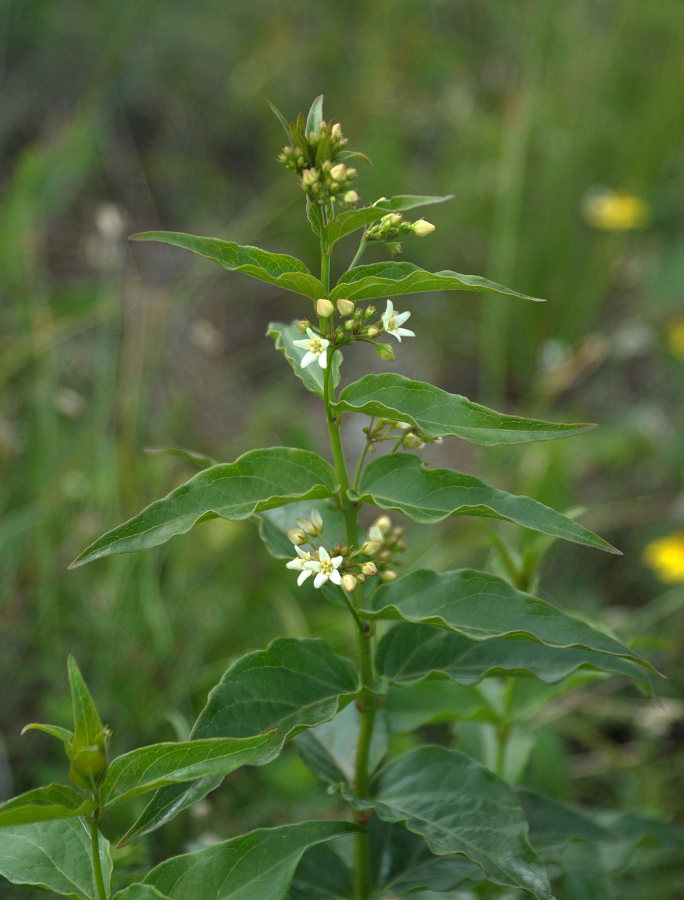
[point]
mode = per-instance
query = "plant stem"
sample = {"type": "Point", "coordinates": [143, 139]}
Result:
{"type": "Point", "coordinates": [359, 253]}
{"type": "Point", "coordinates": [95, 852]}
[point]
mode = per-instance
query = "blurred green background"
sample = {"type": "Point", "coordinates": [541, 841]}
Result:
{"type": "Point", "coordinates": [557, 126]}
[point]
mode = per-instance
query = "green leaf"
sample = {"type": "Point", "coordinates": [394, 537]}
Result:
{"type": "Point", "coordinates": [312, 376]}
{"type": "Point", "coordinates": [433, 701]}
{"type": "Point", "coordinates": [62, 734]}
{"type": "Point", "coordinates": [281, 118]}
{"type": "Point", "coordinates": [403, 863]}
{"type": "Point", "coordinates": [458, 806]}
{"type": "Point", "coordinates": [294, 684]}
{"type": "Point", "coordinates": [329, 750]}
{"type": "Point", "coordinates": [54, 856]}
{"type": "Point", "coordinates": [321, 875]}
{"type": "Point", "coordinates": [394, 278]}
{"type": "Point", "coordinates": [54, 801]}
{"type": "Point", "coordinates": [275, 523]}
{"type": "Point", "coordinates": [88, 730]}
{"type": "Point", "coordinates": [400, 481]}
{"type": "Point", "coordinates": [482, 606]}
{"type": "Point", "coordinates": [149, 768]}
{"type": "Point", "coordinates": [315, 117]}
{"type": "Point", "coordinates": [407, 654]}
{"type": "Point", "coordinates": [258, 480]}
{"type": "Point", "coordinates": [285, 271]}
{"type": "Point", "coordinates": [197, 459]}
{"type": "Point", "coordinates": [140, 892]}
{"type": "Point", "coordinates": [258, 865]}
{"type": "Point", "coordinates": [437, 413]}
{"type": "Point", "coordinates": [352, 219]}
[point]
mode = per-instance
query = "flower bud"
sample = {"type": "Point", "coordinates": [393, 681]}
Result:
{"type": "Point", "coordinates": [338, 172]}
{"type": "Point", "coordinates": [324, 308]}
{"type": "Point", "coordinates": [388, 575]}
{"type": "Point", "coordinates": [309, 177]}
{"type": "Point", "coordinates": [373, 331]}
{"type": "Point", "coordinates": [384, 351]}
{"type": "Point", "coordinates": [302, 325]}
{"type": "Point", "coordinates": [351, 197]}
{"type": "Point", "coordinates": [360, 578]}
{"type": "Point", "coordinates": [316, 521]}
{"type": "Point", "coordinates": [384, 556]}
{"type": "Point", "coordinates": [336, 131]}
{"type": "Point", "coordinates": [349, 325]}
{"type": "Point", "coordinates": [421, 228]}
{"type": "Point", "coordinates": [369, 311]}
{"type": "Point", "coordinates": [88, 768]}
{"type": "Point", "coordinates": [297, 536]}
{"type": "Point", "coordinates": [384, 524]}
{"type": "Point", "coordinates": [369, 568]}
{"type": "Point", "coordinates": [411, 441]}
{"type": "Point", "coordinates": [348, 582]}
{"type": "Point", "coordinates": [375, 534]}
{"type": "Point", "coordinates": [370, 547]}
{"type": "Point", "coordinates": [345, 307]}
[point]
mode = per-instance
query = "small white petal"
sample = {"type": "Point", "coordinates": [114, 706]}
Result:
{"type": "Point", "coordinates": [323, 554]}
{"type": "Point", "coordinates": [400, 318]}
{"type": "Point", "coordinates": [302, 343]}
{"type": "Point", "coordinates": [308, 357]}
{"type": "Point", "coordinates": [312, 565]}
{"type": "Point", "coordinates": [316, 518]}
{"type": "Point", "coordinates": [303, 575]}
{"type": "Point", "coordinates": [337, 561]}
{"type": "Point", "coordinates": [323, 360]}
{"type": "Point", "coordinates": [406, 332]}
{"type": "Point", "coordinates": [294, 564]}
{"type": "Point", "coordinates": [335, 577]}
{"type": "Point", "coordinates": [320, 579]}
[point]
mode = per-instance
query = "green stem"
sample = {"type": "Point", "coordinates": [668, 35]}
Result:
{"type": "Point", "coordinates": [359, 253]}
{"type": "Point", "coordinates": [362, 457]}
{"type": "Point", "coordinates": [97, 866]}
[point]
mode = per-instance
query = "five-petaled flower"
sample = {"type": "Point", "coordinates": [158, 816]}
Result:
{"type": "Point", "coordinates": [303, 557]}
{"type": "Point", "coordinates": [391, 322]}
{"type": "Point", "coordinates": [316, 348]}
{"type": "Point", "coordinates": [324, 567]}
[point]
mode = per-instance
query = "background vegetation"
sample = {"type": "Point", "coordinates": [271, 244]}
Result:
{"type": "Point", "coordinates": [136, 114]}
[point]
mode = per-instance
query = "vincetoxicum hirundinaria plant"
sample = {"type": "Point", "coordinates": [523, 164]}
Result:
{"type": "Point", "coordinates": [433, 818]}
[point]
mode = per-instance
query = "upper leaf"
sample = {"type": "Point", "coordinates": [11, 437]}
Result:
{"type": "Point", "coordinates": [294, 684]}
{"type": "Point", "coordinates": [54, 856]}
{"type": "Point", "coordinates": [393, 278]}
{"type": "Point", "coordinates": [349, 220]}
{"type": "Point", "coordinates": [461, 807]}
{"type": "Point", "coordinates": [88, 730]}
{"type": "Point", "coordinates": [315, 117]}
{"type": "Point", "coordinates": [258, 865]}
{"type": "Point", "coordinates": [280, 269]}
{"type": "Point", "coordinates": [258, 480]}
{"type": "Point", "coordinates": [438, 413]}
{"type": "Point", "coordinates": [53, 801]}
{"type": "Point", "coordinates": [312, 375]}
{"type": "Point", "coordinates": [401, 481]}
{"type": "Point", "coordinates": [482, 606]}
{"type": "Point", "coordinates": [408, 653]}
{"type": "Point", "coordinates": [149, 768]}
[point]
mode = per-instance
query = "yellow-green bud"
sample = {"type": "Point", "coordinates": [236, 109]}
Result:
{"type": "Point", "coordinates": [384, 523]}
{"type": "Point", "coordinates": [370, 547]}
{"type": "Point", "coordinates": [89, 767]}
{"type": "Point", "coordinates": [369, 311]}
{"type": "Point", "coordinates": [422, 228]}
{"type": "Point", "coordinates": [351, 197]}
{"type": "Point", "coordinates": [309, 177]}
{"type": "Point", "coordinates": [411, 441]}
{"type": "Point", "coordinates": [345, 307]}
{"type": "Point", "coordinates": [349, 325]}
{"type": "Point", "coordinates": [369, 568]}
{"type": "Point", "coordinates": [324, 308]}
{"type": "Point", "coordinates": [297, 536]}
{"type": "Point", "coordinates": [348, 582]}
{"type": "Point", "coordinates": [385, 351]}
{"type": "Point", "coordinates": [336, 131]}
{"type": "Point", "coordinates": [360, 578]}
{"type": "Point", "coordinates": [373, 331]}
{"type": "Point", "coordinates": [338, 172]}
{"type": "Point", "coordinates": [302, 325]}
{"type": "Point", "coordinates": [388, 575]}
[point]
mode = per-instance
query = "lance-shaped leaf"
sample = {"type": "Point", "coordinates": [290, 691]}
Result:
{"type": "Point", "coordinates": [149, 768]}
{"type": "Point", "coordinates": [54, 856]}
{"type": "Point", "coordinates": [294, 684]}
{"type": "Point", "coordinates": [437, 413]}
{"type": "Point", "coordinates": [402, 863]}
{"type": "Point", "coordinates": [394, 278]}
{"type": "Point", "coordinates": [88, 730]}
{"type": "Point", "coordinates": [351, 219]}
{"type": "Point", "coordinates": [315, 116]}
{"type": "Point", "coordinates": [285, 271]}
{"type": "Point", "coordinates": [400, 481]}
{"type": "Point", "coordinates": [311, 376]}
{"type": "Point", "coordinates": [53, 801]}
{"type": "Point", "coordinates": [258, 480]}
{"type": "Point", "coordinates": [258, 865]}
{"type": "Point", "coordinates": [482, 606]}
{"type": "Point", "coordinates": [408, 653]}
{"type": "Point", "coordinates": [458, 806]}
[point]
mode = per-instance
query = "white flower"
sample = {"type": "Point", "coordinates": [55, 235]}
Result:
{"type": "Point", "coordinates": [391, 322]}
{"type": "Point", "coordinates": [303, 557]}
{"type": "Point", "coordinates": [325, 568]}
{"type": "Point", "coordinates": [316, 348]}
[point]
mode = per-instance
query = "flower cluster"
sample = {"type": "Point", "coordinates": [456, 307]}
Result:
{"type": "Point", "coordinates": [393, 225]}
{"type": "Point", "coordinates": [318, 158]}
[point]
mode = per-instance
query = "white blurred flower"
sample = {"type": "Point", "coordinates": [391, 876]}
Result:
{"type": "Point", "coordinates": [325, 568]}
{"type": "Point", "coordinates": [298, 564]}
{"type": "Point", "coordinates": [316, 348]}
{"type": "Point", "coordinates": [391, 322]}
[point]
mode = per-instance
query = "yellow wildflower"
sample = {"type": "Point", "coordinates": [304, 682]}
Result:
{"type": "Point", "coordinates": [666, 556]}
{"type": "Point", "coordinates": [675, 336]}
{"type": "Point", "coordinates": [610, 210]}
